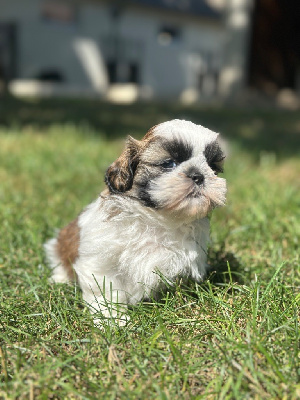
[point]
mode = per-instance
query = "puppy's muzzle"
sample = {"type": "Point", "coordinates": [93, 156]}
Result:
{"type": "Point", "coordinates": [196, 176]}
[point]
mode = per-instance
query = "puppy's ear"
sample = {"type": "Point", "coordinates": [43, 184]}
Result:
{"type": "Point", "coordinates": [119, 176]}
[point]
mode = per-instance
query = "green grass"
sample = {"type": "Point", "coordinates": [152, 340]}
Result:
{"type": "Point", "coordinates": [235, 336]}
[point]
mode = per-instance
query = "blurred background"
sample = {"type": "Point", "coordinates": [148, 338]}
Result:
{"type": "Point", "coordinates": [77, 77]}
{"type": "Point", "coordinates": [123, 51]}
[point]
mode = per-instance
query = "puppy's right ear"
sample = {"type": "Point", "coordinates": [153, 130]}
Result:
{"type": "Point", "coordinates": [119, 176]}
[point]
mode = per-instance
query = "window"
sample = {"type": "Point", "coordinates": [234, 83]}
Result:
{"type": "Point", "coordinates": [51, 75]}
{"type": "Point", "coordinates": [123, 72]}
{"type": "Point", "coordinates": [124, 58]}
{"type": "Point", "coordinates": [168, 35]}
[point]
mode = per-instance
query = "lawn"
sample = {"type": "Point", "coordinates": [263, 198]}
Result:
{"type": "Point", "coordinates": [235, 336]}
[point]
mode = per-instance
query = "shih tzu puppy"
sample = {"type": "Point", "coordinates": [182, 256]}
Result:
{"type": "Point", "coordinates": [149, 223]}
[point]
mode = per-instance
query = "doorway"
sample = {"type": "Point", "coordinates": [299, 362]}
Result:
{"type": "Point", "coordinates": [275, 46]}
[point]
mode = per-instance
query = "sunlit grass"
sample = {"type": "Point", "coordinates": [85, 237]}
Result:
{"type": "Point", "coordinates": [235, 336]}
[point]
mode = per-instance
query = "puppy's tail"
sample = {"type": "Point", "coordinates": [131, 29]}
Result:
{"type": "Point", "coordinates": [60, 272]}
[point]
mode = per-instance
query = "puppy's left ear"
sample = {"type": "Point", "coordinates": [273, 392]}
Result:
{"type": "Point", "coordinates": [119, 176]}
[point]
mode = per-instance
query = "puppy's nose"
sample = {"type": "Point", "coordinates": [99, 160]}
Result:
{"type": "Point", "coordinates": [196, 176]}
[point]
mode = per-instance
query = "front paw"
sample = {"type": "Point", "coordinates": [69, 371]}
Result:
{"type": "Point", "coordinates": [113, 318]}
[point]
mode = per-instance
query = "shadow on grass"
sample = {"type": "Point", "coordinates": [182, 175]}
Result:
{"type": "Point", "coordinates": [224, 268]}
{"type": "Point", "coordinates": [256, 130]}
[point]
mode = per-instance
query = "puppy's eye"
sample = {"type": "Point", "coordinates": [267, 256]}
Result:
{"type": "Point", "coordinates": [168, 164]}
{"type": "Point", "coordinates": [217, 165]}
{"type": "Point", "coordinates": [214, 157]}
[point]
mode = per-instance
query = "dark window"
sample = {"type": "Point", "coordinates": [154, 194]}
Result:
{"type": "Point", "coordinates": [123, 72]}
{"type": "Point", "coordinates": [124, 58]}
{"type": "Point", "coordinates": [168, 35]}
{"type": "Point", "coordinates": [51, 75]}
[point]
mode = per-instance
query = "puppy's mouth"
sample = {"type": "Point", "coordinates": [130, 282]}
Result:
{"type": "Point", "coordinates": [198, 191]}
{"type": "Point", "coordinates": [196, 185]}
{"type": "Point", "coordinates": [211, 191]}
{"type": "Point", "coordinates": [195, 192]}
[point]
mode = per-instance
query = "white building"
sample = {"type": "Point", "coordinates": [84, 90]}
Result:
{"type": "Point", "coordinates": [178, 49]}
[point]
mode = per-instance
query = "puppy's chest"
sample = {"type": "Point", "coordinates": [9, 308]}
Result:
{"type": "Point", "coordinates": [161, 245]}
{"type": "Point", "coordinates": [140, 241]}
{"type": "Point", "coordinates": [175, 240]}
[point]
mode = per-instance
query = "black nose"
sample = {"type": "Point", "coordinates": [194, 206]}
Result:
{"type": "Point", "coordinates": [196, 176]}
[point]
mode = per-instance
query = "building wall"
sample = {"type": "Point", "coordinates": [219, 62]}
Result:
{"type": "Point", "coordinates": [79, 50]}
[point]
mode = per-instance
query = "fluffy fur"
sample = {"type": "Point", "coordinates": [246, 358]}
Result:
{"type": "Point", "coordinates": [150, 222]}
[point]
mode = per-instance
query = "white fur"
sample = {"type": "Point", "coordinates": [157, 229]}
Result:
{"type": "Point", "coordinates": [192, 133]}
{"type": "Point", "coordinates": [122, 257]}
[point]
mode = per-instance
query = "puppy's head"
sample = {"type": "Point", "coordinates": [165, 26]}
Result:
{"type": "Point", "coordinates": [173, 168]}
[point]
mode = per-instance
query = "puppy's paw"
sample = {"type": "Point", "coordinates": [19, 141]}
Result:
{"type": "Point", "coordinates": [59, 275]}
{"type": "Point", "coordinates": [115, 317]}
{"type": "Point", "coordinates": [112, 321]}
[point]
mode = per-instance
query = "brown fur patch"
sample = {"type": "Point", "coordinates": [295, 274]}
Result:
{"type": "Point", "coordinates": [120, 174]}
{"type": "Point", "coordinates": [67, 246]}
{"type": "Point", "coordinates": [149, 135]}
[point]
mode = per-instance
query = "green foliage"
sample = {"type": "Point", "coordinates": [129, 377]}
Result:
{"type": "Point", "coordinates": [235, 336]}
